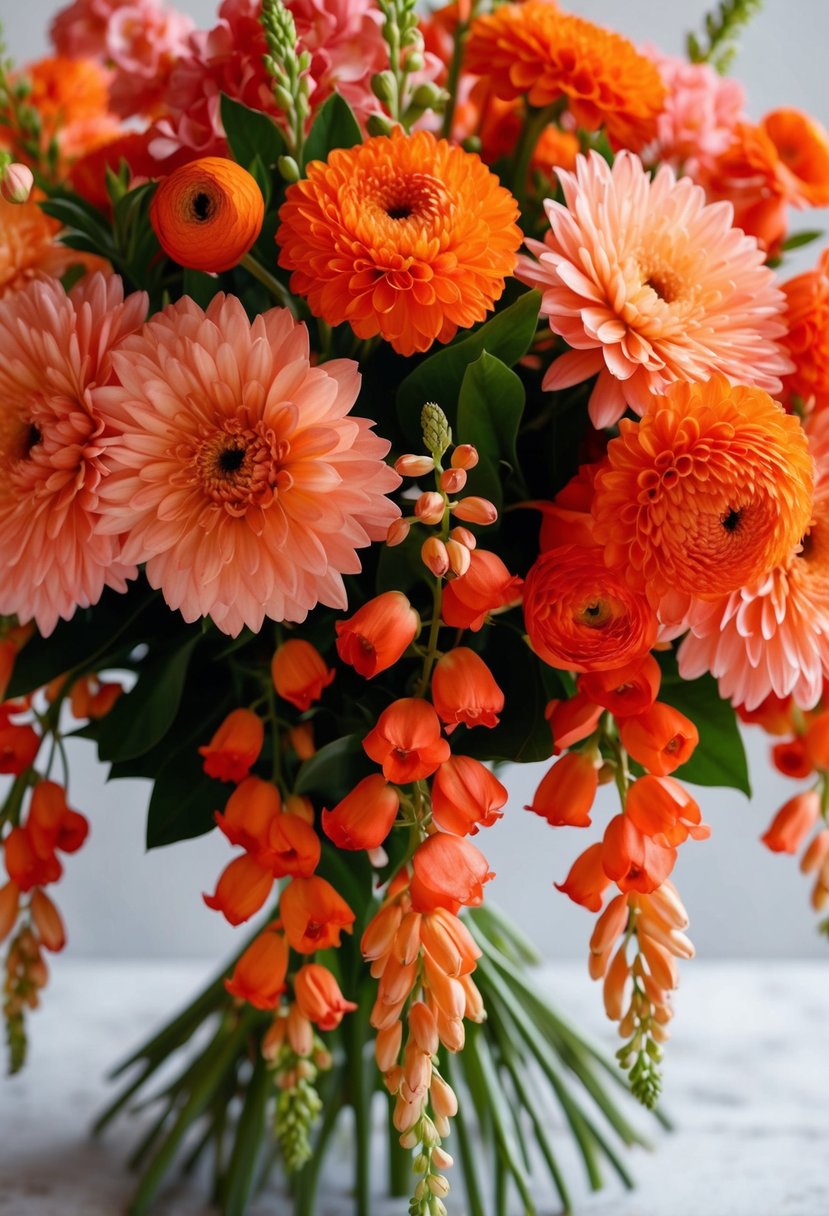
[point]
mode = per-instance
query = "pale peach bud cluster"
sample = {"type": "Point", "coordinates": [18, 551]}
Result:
{"type": "Point", "coordinates": [26, 973]}
{"type": "Point", "coordinates": [815, 860]}
{"type": "Point", "coordinates": [291, 1044]}
{"type": "Point", "coordinates": [16, 182]}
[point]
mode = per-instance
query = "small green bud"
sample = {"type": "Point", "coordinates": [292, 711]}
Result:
{"type": "Point", "coordinates": [288, 168]}
{"type": "Point", "coordinates": [437, 434]}
{"type": "Point", "coordinates": [383, 85]}
{"type": "Point", "coordinates": [379, 124]}
{"type": "Point", "coordinates": [415, 62]}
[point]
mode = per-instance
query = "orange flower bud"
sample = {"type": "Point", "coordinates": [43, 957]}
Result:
{"type": "Point", "coordinates": [241, 891]}
{"type": "Point", "coordinates": [300, 1032]}
{"type": "Point", "coordinates": [412, 465]}
{"type": "Point", "coordinates": [19, 746]}
{"type": "Point", "coordinates": [452, 481]}
{"type": "Point", "coordinates": [625, 691]}
{"type": "Point", "coordinates": [661, 964]}
{"type": "Point", "coordinates": [301, 738]}
{"type": "Point", "coordinates": [474, 510]}
{"type": "Point", "coordinates": [465, 794]}
{"type": "Point", "coordinates": [259, 975]}
{"type": "Point", "coordinates": [423, 1029]}
{"type": "Point", "coordinates": [448, 872]}
{"type": "Point", "coordinates": [486, 586]}
{"type": "Point", "coordinates": [235, 746]}
{"type": "Point", "coordinates": [406, 946]}
{"type": "Point", "coordinates": [464, 690]}
{"type": "Point", "coordinates": [248, 815]}
{"type": "Point", "coordinates": [207, 214]}
{"type": "Point", "coordinates": [664, 810]}
{"type": "Point", "coordinates": [614, 985]}
{"type": "Point", "coordinates": [273, 1039]}
{"type": "Point", "coordinates": [464, 537]}
{"type": "Point", "coordinates": [299, 673]}
{"type": "Point", "coordinates": [444, 1098]}
{"type": "Point", "coordinates": [363, 819]}
{"type": "Point", "coordinates": [378, 634]}
{"type": "Point", "coordinates": [387, 1046]}
{"type": "Point", "coordinates": [791, 759]}
{"type": "Point", "coordinates": [397, 533]}
{"type": "Point", "coordinates": [434, 556]}
{"type": "Point", "coordinates": [380, 931]}
{"type": "Point", "coordinates": [319, 998]}
{"type": "Point", "coordinates": [459, 558]}
{"type": "Point", "coordinates": [48, 922]}
{"type": "Point", "coordinates": [612, 922]}
{"type": "Point", "coordinates": [816, 740]}
{"type": "Point", "coordinates": [567, 791]}
{"type": "Point", "coordinates": [51, 824]}
{"type": "Point", "coordinates": [429, 507]}
{"type": "Point", "coordinates": [314, 914]}
{"type": "Point", "coordinates": [661, 739]}
{"type": "Point", "coordinates": [25, 868]}
{"type": "Point", "coordinates": [793, 822]}
{"type": "Point", "coordinates": [407, 741]}
{"type": "Point", "coordinates": [9, 908]}
{"type": "Point", "coordinates": [16, 182]}
{"type": "Point", "coordinates": [444, 992]}
{"type": "Point", "coordinates": [572, 720]}
{"type": "Point", "coordinates": [446, 938]}
{"type": "Point", "coordinates": [464, 456]}
{"type": "Point", "coordinates": [586, 880]}
{"type": "Point", "coordinates": [812, 859]}
{"type": "Point", "coordinates": [633, 861]}
{"type": "Point", "coordinates": [774, 715]}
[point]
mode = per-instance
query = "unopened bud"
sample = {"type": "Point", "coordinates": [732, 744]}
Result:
{"type": "Point", "coordinates": [282, 97]}
{"type": "Point", "coordinates": [379, 124]}
{"type": "Point", "coordinates": [435, 556]}
{"type": "Point", "coordinates": [16, 183]}
{"type": "Point", "coordinates": [397, 533]}
{"type": "Point", "coordinates": [384, 86]}
{"type": "Point", "coordinates": [288, 169]}
{"type": "Point", "coordinates": [429, 507]}
{"type": "Point", "coordinates": [459, 558]}
{"type": "Point", "coordinates": [465, 456]}
{"type": "Point", "coordinates": [420, 1164]}
{"type": "Point", "coordinates": [442, 1159]}
{"type": "Point", "coordinates": [437, 434]}
{"type": "Point", "coordinates": [464, 537]}
{"type": "Point", "coordinates": [273, 1039]}
{"type": "Point", "coordinates": [323, 1059]}
{"type": "Point", "coordinates": [452, 481]}
{"type": "Point", "coordinates": [428, 96]}
{"type": "Point", "coordinates": [473, 510]}
{"type": "Point", "coordinates": [415, 62]}
{"type": "Point", "coordinates": [47, 921]}
{"type": "Point", "coordinates": [412, 465]}
{"type": "Point", "coordinates": [438, 1185]}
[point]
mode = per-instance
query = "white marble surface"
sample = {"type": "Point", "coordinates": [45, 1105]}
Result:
{"type": "Point", "coordinates": [746, 1082]}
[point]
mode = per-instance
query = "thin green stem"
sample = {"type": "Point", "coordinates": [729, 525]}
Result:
{"type": "Point", "coordinates": [277, 289]}
{"type": "Point", "coordinates": [534, 125]}
{"type": "Point", "coordinates": [453, 76]}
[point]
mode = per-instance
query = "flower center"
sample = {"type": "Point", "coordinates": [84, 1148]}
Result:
{"type": "Point", "coordinates": [241, 467]}
{"type": "Point", "coordinates": [409, 196]}
{"type": "Point", "coordinates": [31, 440]}
{"type": "Point", "coordinates": [731, 520]}
{"type": "Point", "coordinates": [594, 614]}
{"type": "Point", "coordinates": [202, 206]}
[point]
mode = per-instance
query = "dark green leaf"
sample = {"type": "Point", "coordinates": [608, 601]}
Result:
{"type": "Point", "coordinates": [334, 127]}
{"type": "Point", "coordinates": [400, 567]}
{"type": "Point", "coordinates": [183, 800]}
{"type": "Point", "coordinates": [720, 757]}
{"type": "Point", "coordinates": [251, 134]}
{"type": "Point", "coordinates": [200, 287]}
{"type": "Point", "coordinates": [490, 406]}
{"type": "Point", "coordinates": [801, 238]}
{"type": "Point", "coordinates": [334, 769]}
{"type": "Point", "coordinates": [249, 1142]}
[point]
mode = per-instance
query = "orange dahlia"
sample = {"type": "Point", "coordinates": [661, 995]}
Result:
{"type": "Point", "coordinates": [534, 50]}
{"type": "Point", "coordinates": [706, 494]}
{"type": "Point", "coordinates": [807, 340]}
{"type": "Point", "coordinates": [404, 236]}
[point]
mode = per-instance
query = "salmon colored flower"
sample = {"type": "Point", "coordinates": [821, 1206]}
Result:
{"type": "Point", "coordinates": [587, 880]}
{"type": "Point", "coordinates": [449, 872]}
{"type": "Point", "coordinates": [314, 915]}
{"type": "Point", "coordinates": [249, 812]}
{"type": "Point", "coordinates": [466, 795]}
{"type": "Point", "coordinates": [9, 908]}
{"type": "Point", "coordinates": [449, 942]}
{"type": "Point", "coordinates": [207, 214]}
{"type": "Point", "coordinates": [580, 616]}
{"type": "Point", "coordinates": [707, 493]}
{"type": "Point", "coordinates": [407, 741]}
{"type": "Point", "coordinates": [235, 746]}
{"type": "Point", "coordinates": [567, 791]}
{"type": "Point", "coordinates": [684, 295]}
{"type": "Point", "coordinates": [464, 690]}
{"type": "Point", "coordinates": [807, 337]}
{"type": "Point", "coordinates": [93, 698]}
{"type": "Point", "coordinates": [660, 739]}
{"type": "Point", "coordinates": [54, 349]}
{"type": "Point", "coordinates": [259, 975]}
{"type": "Point", "coordinates": [319, 997]}
{"type": "Point", "coordinates": [572, 720]}
{"type": "Point", "coordinates": [241, 891]}
{"type": "Point", "coordinates": [237, 473]}
{"type": "Point", "coordinates": [364, 818]}
{"type": "Point", "coordinates": [663, 809]}
{"type": "Point", "coordinates": [378, 634]}
{"type": "Point", "coordinates": [406, 236]}
{"type": "Point", "coordinates": [534, 50]}
{"type": "Point", "coordinates": [24, 866]}
{"type": "Point", "coordinates": [299, 673]}
{"type": "Point", "coordinates": [486, 586]}
{"type": "Point", "coordinates": [624, 691]}
{"type": "Point", "coordinates": [634, 861]}
{"type": "Point", "coordinates": [19, 745]}
{"type": "Point", "coordinates": [52, 824]}
{"type": "Point", "coordinates": [47, 921]}
{"type": "Point", "coordinates": [793, 823]}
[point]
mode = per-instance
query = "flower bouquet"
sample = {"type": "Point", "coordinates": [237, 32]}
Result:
{"type": "Point", "coordinates": [387, 397]}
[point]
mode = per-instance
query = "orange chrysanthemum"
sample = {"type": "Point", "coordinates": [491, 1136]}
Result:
{"type": "Point", "coordinates": [404, 236]}
{"type": "Point", "coordinates": [28, 247]}
{"type": "Point", "coordinates": [534, 50]}
{"type": "Point", "coordinates": [807, 340]}
{"type": "Point", "coordinates": [706, 494]}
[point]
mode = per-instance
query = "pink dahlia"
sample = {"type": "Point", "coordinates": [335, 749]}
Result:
{"type": "Point", "coordinates": [649, 285]}
{"type": "Point", "coordinates": [237, 473]}
{"type": "Point", "coordinates": [773, 637]}
{"type": "Point", "coordinates": [54, 350]}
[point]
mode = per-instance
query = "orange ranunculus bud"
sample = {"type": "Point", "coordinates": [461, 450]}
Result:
{"type": "Point", "coordinates": [248, 815]}
{"type": "Point", "coordinates": [25, 868]}
{"type": "Point", "coordinates": [664, 810]}
{"type": "Point", "coordinates": [92, 698]}
{"type": "Point", "coordinates": [407, 741]}
{"type": "Point", "coordinates": [791, 758]}
{"type": "Point", "coordinates": [587, 880]}
{"type": "Point", "coordinates": [9, 908]}
{"type": "Point", "coordinates": [793, 822]}
{"type": "Point", "coordinates": [449, 872]}
{"type": "Point", "coordinates": [48, 922]}
{"type": "Point", "coordinates": [207, 214]}
{"type": "Point", "coordinates": [466, 795]}
{"type": "Point", "coordinates": [242, 889]}
{"type": "Point", "coordinates": [235, 746]}
{"type": "Point", "coordinates": [625, 691]}
{"type": "Point", "coordinates": [18, 746]}
{"type": "Point", "coordinates": [378, 634]}
{"type": "Point", "coordinates": [319, 998]}
{"type": "Point", "coordinates": [633, 861]}
{"type": "Point", "coordinates": [293, 847]}
{"type": "Point", "coordinates": [464, 690]}
{"type": "Point", "coordinates": [661, 739]}
{"type": "Point", "coordinates": [363, 819]}
{"type": "Point", "coordinates": [581, 615]}
{"type": "Point", "coordinates": [314, 914]}
{"type": "Point", "coordinates": [301, 738]}
{"type": "Point", "coordinates": [816, 740]}
{"type": "Point", "coordinates": [299, 673]}
{"type": "Point", "coordinates": [572, 720]}
{"type": "Point", "coordinates": [567, 791]}
{"type": "Point", "coordinates": [259, 975]}
{"type": "Point", "coordinates": [51, 824]}
{"type": "Point", "coordinates": [487, 585]}
{"type": "Point", "coordinates": [446, 938]}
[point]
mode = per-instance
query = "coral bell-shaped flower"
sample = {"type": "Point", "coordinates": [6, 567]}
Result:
{"type": "Point", "coordinates": [319, 998]}
{"type": "Point", "coordinates": [572, 720]}
{"type": "Point", "coordinates": [242, 889]}
{"type": "Point", "coordinates": [663, 809]}
{"type": "Point", "coordinates": [378, 634]}
{"type": "Point", "coordinates": [249, 812]}
{"type": "Point", "coordinates": [52, 824]}
{"type": "Point", "coordinates": [19, 745]}
{"type": "Point", "coordinates": [567, 791]}
{"type": "Point", "coordinates": [207, 214]}
{"type": "Point", "coordinates": [314, 915]}
{"type": "Point", "coordinates": [464, 690]}
{"type": "Point", "coordinates": [793, 823]}
{"type": "Point", "coordinates": [293, 847]}
{"type": "Point", "coordinates": [23, 865]}
{"type": "Point", "coordinates": [633, 861]}
{"type": "Point", "coordinates": [299, 673]}
{"type": "Point", "coordinates": [486, 586]}
{"type": "Point", "coordinates": [407, 741]}
{"type": "Point", "coordinates": [466, 796]}
{"type": "Point", "coordinates": [449, 872]}
{"type": "Point", "coordinates": [364, 818]}
{"type": "Point", "coordinates": [259, 975]}
{"type": "Point", "coordinates": [624, 691]}
{"type": "Point", "coordinates": [586, 882]}
{"type": "Point", "coordinates": [660, 739]}
{"type": "Point", "coordinates": [235, 746]}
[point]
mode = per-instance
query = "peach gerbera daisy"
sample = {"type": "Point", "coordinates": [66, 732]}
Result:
{"type": "Point", "coordinates": [649, 285]}
{"type": "Point", "coordinates": [237, 473]}
{"type": "Point", "coordinates": [706, 494]}
{"type": "Point", "coordinates": [54, 349]}
{"type": "Point", "coordinates": [773, 637]}
{"type": "Point", "coordinates": [404, 236]}
{"type": "Point", "coordinates": [534, 50]}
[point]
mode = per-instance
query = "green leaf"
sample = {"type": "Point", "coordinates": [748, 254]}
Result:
{"type": "Point", "coordinates": [200, 287]}
{"type": "Point", "coordinates": [400, 567]}
{"type": "Point", "coordinates": [334, 127]}
{"type": "Point", "coordinates": [333, 770]}
{"type": "Point", "coordinates": [249, 1142]}
{"type": "Point", "coordinates": [439, 378]}
{"type": "Point", "coordinates": [490, 406]}
{"type": "Point", "coordinates": [720, 757]}
{"type": "Point", "coordinates": [183, 800]}
{"type": "Point", "coordinates": [251, 134]}
{"type": "Point", "coordinates": [801, 238]}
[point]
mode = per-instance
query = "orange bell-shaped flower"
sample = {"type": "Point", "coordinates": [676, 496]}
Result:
{"type": "Point", "coordinates": [793, 823]}
{"type": "Point", "coordinates": [241, 891]}
{"type": "Point", "coordinates": [661, 739]}
{"type": "Point", "coordinates": [624, 691]}
{"type": "Point", "coordinates": [449, 872]}
{"type": "Point", "coordinates": [567, 791]}
{"type": "Point", "coordinates": [314, 914]}
{"type": "Point", "coordinates": [586, 882]}
{"type": "Point", "coordinates": [633, 861]}
{"type": "Point", "coordinates": [466, 796]}
{"type": "Point", "coordinates": [259, 975]}
{"type": "Point", "coordinates": [235, 746]}
{"type": "Point", "coordinates": [378, 634]}
{"type": "Point", "coordinates": [464, 690]}
{"type": "Point", "coordinates": [319, 997]}
{"type": "Point", "coordinates": [299, 673]}
{"type": "Point", "coordinates": [663, 809]}
{"type": "Point", "coordinates": [407, 741]}
{"type": "Point", "coordinates": [363, 819]}
{"type": "Point", "coordinates": [248, 815]}
{"type": "Point", "coordinates": [52, 824]}
{"type": "Point", "coordinates": [19, 745]}
{"type": "Point", "coordinates": [572, 720]}
{"type": "Point", "coordinates": [486, 585]}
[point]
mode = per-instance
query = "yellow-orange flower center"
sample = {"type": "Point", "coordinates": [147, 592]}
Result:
{"type": "Point", "coordinates": [238, 467]}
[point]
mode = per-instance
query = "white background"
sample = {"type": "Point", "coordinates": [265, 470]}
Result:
{"type": "Point", "coordinates": [743, 901]}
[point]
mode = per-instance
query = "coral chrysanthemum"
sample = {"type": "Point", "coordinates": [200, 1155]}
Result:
{"type": "Point", "coordinates": [773, 637]}
{"type": "Point", "coordinates": [650, 285]}
{"type": "Point", "coordinates": [534, 50]}
{"type": "Point", "coordinates": [28, 247]}
{"type": "Point", "coordinates": [238, 474]}
{"type": "Point", "coordinates": [404, 236]}
{"type": "Point", "coordinates": [54, 349]}
{"type": "Point", "coordinates": [706, 494]}
{"type": "Point", "coordinates": [807, 342]}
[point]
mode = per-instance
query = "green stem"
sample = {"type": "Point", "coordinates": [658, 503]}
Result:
{"type": "Point", "coordinates": [358, 1025]}
{"type": "Point", "coordinates": [278, 290]}
{"type": "Point", "coordinates": [534, 125]}
{"type": "Point", "coordinates": [432, 645]}
{"type": "Point", "coordinates": [400, 1160]}
{"type": "Point", "coordinates": [453, 77]}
